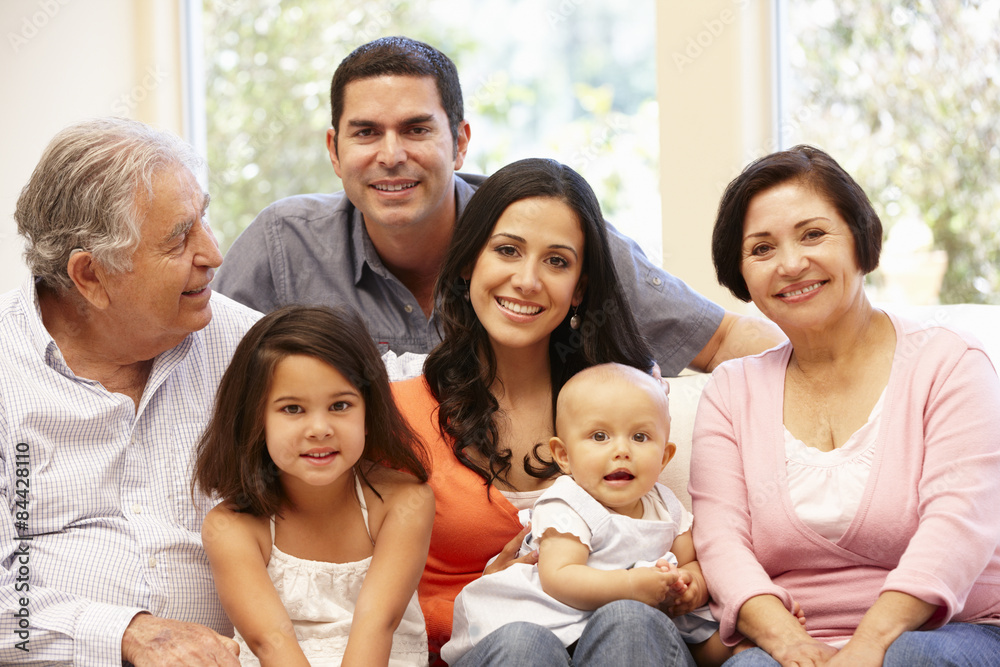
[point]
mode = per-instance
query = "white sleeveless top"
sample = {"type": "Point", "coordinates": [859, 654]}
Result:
{"type": "Point", "coordinates": [320, 599]}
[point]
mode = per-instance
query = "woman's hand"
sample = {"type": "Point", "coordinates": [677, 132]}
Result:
{"type": "Point", "coordinates": [508, 555]}
{"type": "Point", "coordinates": [765, 621]}
{"type": "Point", "coordinates": [859, 653]}
{"type": "Point", "coordinates": [807, 652]}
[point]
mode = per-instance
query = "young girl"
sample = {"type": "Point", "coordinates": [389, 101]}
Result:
{"type": "Point", "coordinates": [322, 534]}
{"type": "Point", "coordinates": [606, 531]}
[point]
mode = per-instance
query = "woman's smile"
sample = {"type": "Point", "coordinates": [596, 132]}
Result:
{"type": "Point", "coordinates": [528, 275]}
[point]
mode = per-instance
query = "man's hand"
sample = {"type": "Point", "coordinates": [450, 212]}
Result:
{"type": "Point", "coordinates": [151, 641]}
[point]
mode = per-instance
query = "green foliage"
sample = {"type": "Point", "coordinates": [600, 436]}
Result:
{"type": "Point", "coordinates": [549, 78]}
{"type": "Point", "coordinates": [269, 65]}
{"type": "Point", "coordinates": [906, 96]}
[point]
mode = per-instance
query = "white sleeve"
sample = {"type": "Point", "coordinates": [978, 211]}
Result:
{"type": "Point", "coordinates": [559, 516]}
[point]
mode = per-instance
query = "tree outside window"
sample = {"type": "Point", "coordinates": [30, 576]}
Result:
{"type": "Point", "coordinates": [906, 97]}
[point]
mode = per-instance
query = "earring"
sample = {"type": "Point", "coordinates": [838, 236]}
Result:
{"type": "Point", "coordinates": [574, 322]}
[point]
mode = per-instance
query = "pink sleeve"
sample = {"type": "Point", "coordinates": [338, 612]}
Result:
{"type": "Point", "coordinates": [959, 524]}
{"type": "Point", "coordinates": [722, 514]}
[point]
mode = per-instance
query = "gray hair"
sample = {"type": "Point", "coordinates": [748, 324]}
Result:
{"type": "Point", "coordinates": [90, 190]}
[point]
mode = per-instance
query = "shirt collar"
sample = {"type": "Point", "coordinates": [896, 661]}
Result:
{"type": "Point", "coordinates": [39, 337]}
{"type": "Point", "coordinates": [364, 249]}
{"type": "Point", "coordinates": [43, 343]}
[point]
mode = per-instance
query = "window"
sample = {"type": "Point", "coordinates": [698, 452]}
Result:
{"type": "Point", "coordinates": [905, 97]}
{"type": "Point", "coordinates": [565, 79]}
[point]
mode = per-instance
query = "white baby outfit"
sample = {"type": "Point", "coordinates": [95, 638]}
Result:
{"type": "Point", "coordinates": [616, 542]}
{"type": "Point", "coordinates": [320, 599]}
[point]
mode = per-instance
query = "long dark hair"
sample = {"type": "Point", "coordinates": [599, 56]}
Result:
{"type": "Point", "coordinates": [232, 456]}
{"type": "Point", "coordinates": [461, 370]}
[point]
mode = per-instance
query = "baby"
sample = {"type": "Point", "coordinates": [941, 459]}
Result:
{"type": "Point", "coordinates": [605, 531]}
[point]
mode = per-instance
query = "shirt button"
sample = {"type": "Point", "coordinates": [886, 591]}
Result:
{"type": "Point", "coordinates": [657, 281]}
{"type": "Point", "coordinates": [408, 308]}
{"type": "Point", "coordinates": [137, 509]}
{"type": "Point", "coordinates": [152, 561]}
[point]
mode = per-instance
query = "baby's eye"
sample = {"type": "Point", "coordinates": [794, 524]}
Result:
{"type": "Point", "coordinates": [600, 436]}
{"type": "Point", "coordinates": [292, 409]}
{"type": "Point", "coordinates": [640, 437]}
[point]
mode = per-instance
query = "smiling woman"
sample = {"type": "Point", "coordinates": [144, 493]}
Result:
{"type": "Point", "coordinates": [845, 470]}
{"type": "Point", "coordinates": [529, 258]}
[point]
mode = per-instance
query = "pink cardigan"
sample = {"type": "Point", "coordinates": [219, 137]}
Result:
{"type": "Point", "coordinates": [929, 520]}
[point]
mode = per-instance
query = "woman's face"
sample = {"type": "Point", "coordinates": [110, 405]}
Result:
{"type": "Point", "coordinates": [529, 272]}
{"type": "Point", "coordinates": [798, 257]}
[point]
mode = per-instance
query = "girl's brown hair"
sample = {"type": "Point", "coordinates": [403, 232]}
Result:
{"type": "Point", "coordinates": [233, 461]}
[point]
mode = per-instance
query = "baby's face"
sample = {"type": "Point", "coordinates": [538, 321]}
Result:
{"type": "Point", "coordinates": [613, 440]}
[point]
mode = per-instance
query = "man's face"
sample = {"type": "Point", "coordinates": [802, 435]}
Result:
{"type": "Point", "coordinates": [166, 295]}
{"type": "Point", "coordinates": [395, 152]}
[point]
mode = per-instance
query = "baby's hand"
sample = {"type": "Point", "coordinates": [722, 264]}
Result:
{"type": "Point", "coordinates": [685, 595]}
{"type": "Point", "coordinates": [651, 585]}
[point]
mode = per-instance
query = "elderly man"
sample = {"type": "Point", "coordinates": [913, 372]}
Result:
{"type": "Point", "coordinates": [398, 135]}
{"type": "Point", "coordinates": [111, 354]}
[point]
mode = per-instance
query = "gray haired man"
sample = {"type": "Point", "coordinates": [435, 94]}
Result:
{"type": "Point", "coordinates": [111, 354]}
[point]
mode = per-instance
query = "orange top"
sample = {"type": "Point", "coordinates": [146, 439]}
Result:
{"type": "Point", "coordinates": [469, 528]}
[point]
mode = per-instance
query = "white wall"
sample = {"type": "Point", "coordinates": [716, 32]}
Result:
{"type": "Point", "coordinates": [66, 60]}
{"type": "Point", "coordinates": [715, 84]}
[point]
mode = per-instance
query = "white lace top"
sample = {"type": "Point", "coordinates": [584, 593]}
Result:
{"type": "Point", "coordinates": [827, 487]}
{"type": "Point", "coordinates": [320, 599]}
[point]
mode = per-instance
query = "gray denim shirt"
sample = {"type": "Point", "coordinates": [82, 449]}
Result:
{"type": "Point", "coordinates": [314, 249]}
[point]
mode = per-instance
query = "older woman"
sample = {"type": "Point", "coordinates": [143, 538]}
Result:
{"type": "Point", "coordinates": [528, 297]}
{"type": "Point", "coordinates": [855, 469]}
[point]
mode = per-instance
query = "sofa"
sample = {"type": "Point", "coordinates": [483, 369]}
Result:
{"type": "Point", "coordinates": [981, 321]}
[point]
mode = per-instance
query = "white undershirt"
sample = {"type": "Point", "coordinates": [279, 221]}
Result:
{"type": "Point", "coordinates": [827, 487]}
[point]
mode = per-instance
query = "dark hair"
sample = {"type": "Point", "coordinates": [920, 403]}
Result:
{"type": "Point", "coordinates": [461, 370]}
{"type": "Point", "coordinates": [399, 56]}
{"type": "Point", "coordinates": [809, 166]}
{"type": "Point", "coordinates": [232, 456]}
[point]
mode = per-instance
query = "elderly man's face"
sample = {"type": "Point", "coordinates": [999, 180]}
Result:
{"type": "Point", "coordinates": [166, 294]}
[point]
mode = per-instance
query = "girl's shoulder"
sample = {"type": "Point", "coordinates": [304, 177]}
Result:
{"type": "Point", "coordinates": [224, 524]}
{"type": "Point", "coordinates": [399, 491]}
{"type": "Point", "coordinates": [391, 484]}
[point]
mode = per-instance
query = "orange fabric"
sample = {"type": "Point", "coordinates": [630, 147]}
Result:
{"type": "Point", "coordinates": [469, 528]}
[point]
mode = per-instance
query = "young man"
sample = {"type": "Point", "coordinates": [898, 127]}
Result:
{"type": "Point", "coordinates": [398, 135]}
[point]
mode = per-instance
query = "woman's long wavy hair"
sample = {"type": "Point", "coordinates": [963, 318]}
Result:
{"type": "Point", "coordinates": [461, 370]}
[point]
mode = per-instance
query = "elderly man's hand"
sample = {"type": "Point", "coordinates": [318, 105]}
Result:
{"type": "Point", "coordinates": [152, 641]}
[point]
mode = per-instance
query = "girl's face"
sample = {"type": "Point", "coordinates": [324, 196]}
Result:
{"type": "Point", "coordinates": [798, 258]}
{"type": "Point", "coordinates": [529, 273]}
{"type": "Point", "coordinates": [314, 420]}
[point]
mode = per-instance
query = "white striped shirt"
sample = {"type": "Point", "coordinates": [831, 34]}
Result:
{"type": "Point", "coordinates": [99, 492]}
